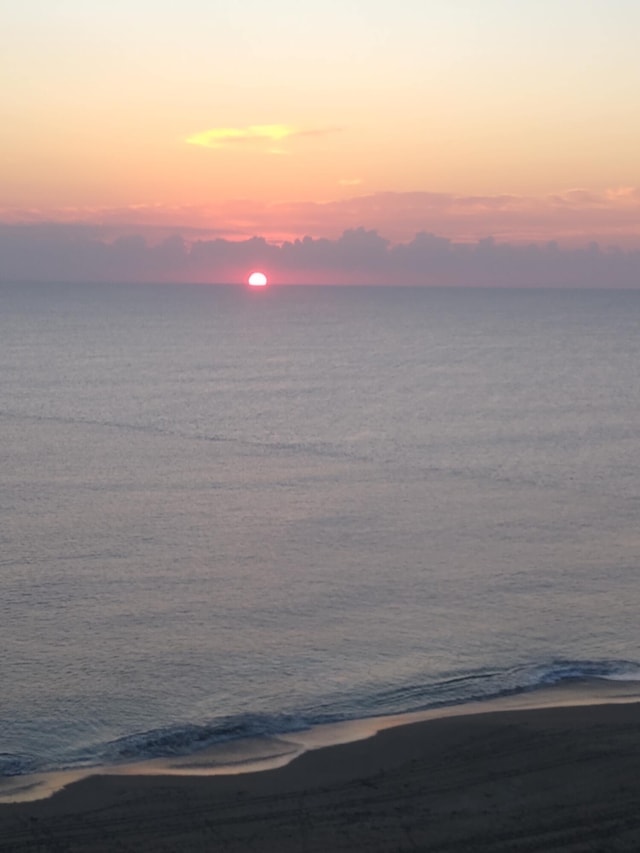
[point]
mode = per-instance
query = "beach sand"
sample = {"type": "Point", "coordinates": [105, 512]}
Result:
{"type": "Point", "coordinates": [544, 779]}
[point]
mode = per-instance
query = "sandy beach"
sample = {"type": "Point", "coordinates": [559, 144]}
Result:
{"type": "Point", "coordinates": [552, 779]}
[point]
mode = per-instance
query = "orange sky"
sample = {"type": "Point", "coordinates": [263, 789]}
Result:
{"type": "Point", "coordinates": [462, 117]}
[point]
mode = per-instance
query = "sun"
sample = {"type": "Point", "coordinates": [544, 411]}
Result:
{"type": "Point", "coordinates": [257, 279]}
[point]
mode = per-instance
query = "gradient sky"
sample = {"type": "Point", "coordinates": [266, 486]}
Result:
{"type": "Point", "coordinates": [465, 118]}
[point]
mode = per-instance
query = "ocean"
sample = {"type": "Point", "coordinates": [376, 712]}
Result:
{"type": "Point", "coordinates": [227, 514]}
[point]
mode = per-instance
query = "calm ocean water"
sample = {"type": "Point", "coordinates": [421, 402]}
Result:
{"type": "Point", "coordinates": [225, 513]}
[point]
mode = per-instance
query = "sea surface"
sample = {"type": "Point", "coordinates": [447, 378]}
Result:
{"type": "Point", "coordinates": [227, 514]}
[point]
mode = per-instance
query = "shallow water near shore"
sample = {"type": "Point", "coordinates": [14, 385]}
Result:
{"type": "Point", "coordinates": [228, 519]}
{"type": "Point", "coordinates": [250, 755]}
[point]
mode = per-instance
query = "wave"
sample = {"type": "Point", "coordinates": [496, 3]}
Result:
{"type": "Point", "coordinates": [321, 449]}
{"type": "Point", "coordinates": [177, 740]}
{"type": "Point", "coordinates": [610, 670]}
{"type": "Point", "coordinates": [16, 764]}
{"type": "Point", "coordinates": [453, 688]}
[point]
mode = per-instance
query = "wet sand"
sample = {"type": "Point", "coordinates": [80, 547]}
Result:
{"type": "Point", "coordinates": [544, 779]}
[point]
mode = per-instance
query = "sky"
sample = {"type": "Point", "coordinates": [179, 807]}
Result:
{"type": "Point", "coordinates": [132, 125]}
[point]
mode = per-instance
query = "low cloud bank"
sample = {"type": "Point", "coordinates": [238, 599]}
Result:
{"type": "Point", "coordinates": [79, 252]}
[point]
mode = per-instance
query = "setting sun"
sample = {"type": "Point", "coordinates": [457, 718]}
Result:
{"type": "Point", "coordinates": [257, 279]}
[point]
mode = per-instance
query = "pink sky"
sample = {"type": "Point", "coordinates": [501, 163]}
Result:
{"type": "Point", "coordinates": [572, 217]}
{"type": "Point", "coordinates": [461, 119]}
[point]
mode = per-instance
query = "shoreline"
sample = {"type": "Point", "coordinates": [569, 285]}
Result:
{"type": "Point", "coordinates": [557, 777]}
{"type": "Point", "coordinates": [262, 754]}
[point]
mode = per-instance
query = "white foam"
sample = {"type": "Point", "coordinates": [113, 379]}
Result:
{"type": "Point", "coordinates": [260, 754]}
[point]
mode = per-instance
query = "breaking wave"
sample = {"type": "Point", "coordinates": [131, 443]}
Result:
{"type": "Point", "coordinates": [450, 689]}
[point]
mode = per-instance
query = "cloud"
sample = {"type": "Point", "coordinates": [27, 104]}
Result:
{"type": "Point", "coordinates": [573, 217]}
{"type": "Point", "coordinates": [228, 137]}
{"type": "Point", "coordinates": [576, 216]}
{"type": "Point", "coordinates": [350, 182]}
{"type": "Point", "coordinates": [89, 253]}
